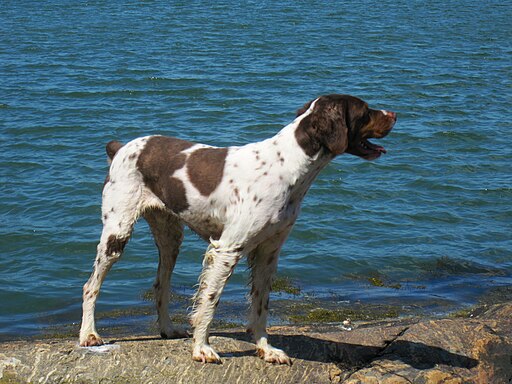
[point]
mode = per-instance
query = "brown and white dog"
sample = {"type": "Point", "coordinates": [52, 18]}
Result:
{"type": "Point", "coordinates": [242, 200]}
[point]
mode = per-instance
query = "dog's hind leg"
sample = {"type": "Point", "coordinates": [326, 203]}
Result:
{"type": "Point", "coordinates": [167, 230]}
{"type": "Point", "coordinates": [120, 209]}
{"type": "Point", "coordinates": [263, 265]}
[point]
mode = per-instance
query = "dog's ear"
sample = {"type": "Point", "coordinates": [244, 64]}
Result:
{"type": "Point", "coordinates": [334, 133]}
{"type": "Point", "coordinates": [324, 127]}
{"type": "Point", "coordinates": [304, 108]}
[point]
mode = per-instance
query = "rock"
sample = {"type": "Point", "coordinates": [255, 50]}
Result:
{"type": "Point", "coordinates": [450, 350]}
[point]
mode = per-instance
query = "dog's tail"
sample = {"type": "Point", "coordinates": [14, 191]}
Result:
{"type": "Point", "coordinates": [112, 148]}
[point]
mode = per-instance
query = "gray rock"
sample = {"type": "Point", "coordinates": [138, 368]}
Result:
{"type": "Point", "coordinates": [450, 350]}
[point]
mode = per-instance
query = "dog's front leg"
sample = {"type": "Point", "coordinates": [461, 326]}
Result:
{"type": "Point", "coordinates": [218, 265]}
{"type": "Point", "coordinates": [263, 265]}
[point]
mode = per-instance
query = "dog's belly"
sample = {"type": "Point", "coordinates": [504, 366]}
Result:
{"type": "Point", "coordinates": [254, 232]}
{"type": "Point", "coordinates": [206, 227]}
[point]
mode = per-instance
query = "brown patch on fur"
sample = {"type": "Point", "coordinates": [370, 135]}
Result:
{"type": "Point", "coordinates": [158, 161]}
{"type": "Point", "coordinates": [116, 244]}
{"type": "Point", "coordinates": [341, 123]}
{"type": "Point", "coordinates": [205, 168]}
{"type": "Point", "coordinates": [326, 126]}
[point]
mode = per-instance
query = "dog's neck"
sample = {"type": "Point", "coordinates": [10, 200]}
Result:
{"type": "Point", "coordinates": [294, 169]}
{"type": "Point", "coordinates": [301, 166]}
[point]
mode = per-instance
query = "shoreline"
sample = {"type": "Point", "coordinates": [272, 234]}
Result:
{"type": "Point", "coordinates": [476, 348]}
{"type": "Point", "coordinates": [289, 307]}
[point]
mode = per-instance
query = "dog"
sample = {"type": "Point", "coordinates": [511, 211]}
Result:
{"type": "Point", "coordinates": [242, 200]}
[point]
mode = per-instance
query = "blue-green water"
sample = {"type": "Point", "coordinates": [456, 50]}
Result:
{"type": "Point", "coordinates": [431, 220]}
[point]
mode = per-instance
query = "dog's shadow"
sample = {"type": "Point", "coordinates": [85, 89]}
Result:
{"type": "Point", "coordinates": [349, 356]}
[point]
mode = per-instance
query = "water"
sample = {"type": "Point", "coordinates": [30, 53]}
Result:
{"type": "Point", "coordinates": [430, 222]}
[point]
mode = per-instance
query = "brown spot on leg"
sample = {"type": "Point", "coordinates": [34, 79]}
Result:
{"type": "Point", "coordinates": [116, 244]}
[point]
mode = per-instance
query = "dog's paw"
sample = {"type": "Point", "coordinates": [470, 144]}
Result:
{"type": "Point", "coordinates": [274, 356]}
{"type": "Point", "coordinates": [91, 340]}
{"type": "Point", "coordinates": [174, 333]}
{"type": "Point", "coordinates": [205, 354]}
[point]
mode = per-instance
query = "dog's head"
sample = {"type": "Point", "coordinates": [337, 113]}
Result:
{"type": "Point", "coordinates": [342, 123]}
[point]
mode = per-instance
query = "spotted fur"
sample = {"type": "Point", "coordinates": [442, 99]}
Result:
{"type": "Point", "coordinates": [242, 200]}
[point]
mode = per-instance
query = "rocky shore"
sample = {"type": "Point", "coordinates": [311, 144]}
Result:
{"type": "Point", "coordinates": [476, 348]}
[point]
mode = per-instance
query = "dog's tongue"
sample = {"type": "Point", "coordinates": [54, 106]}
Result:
{"type": "Point", "coordinates": [380, 149]}
{"type": "Point", "coordinates": [376, 147]}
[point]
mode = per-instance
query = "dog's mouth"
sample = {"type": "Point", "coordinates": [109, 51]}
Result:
{"type": "Point", "coordinates": [377, 129]}
{"type": "Point", "coordinates": [368, 150]}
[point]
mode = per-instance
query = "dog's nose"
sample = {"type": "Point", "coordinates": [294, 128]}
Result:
{"type": "Point", "coordinates": [391, 115]}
